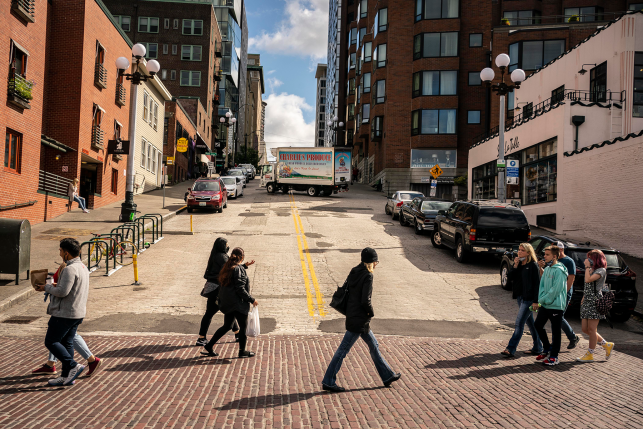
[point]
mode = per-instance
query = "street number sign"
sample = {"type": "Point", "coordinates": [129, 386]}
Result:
{"type": "Point", "coordinates": [182, 145]}
{"type": "Point", "coordinates": [436, 171]}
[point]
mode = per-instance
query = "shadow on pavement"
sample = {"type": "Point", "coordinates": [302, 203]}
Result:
{"type": "Point", "coordinates": [144, 351]}
{"type": "Point", "coordinates": [166, 363]}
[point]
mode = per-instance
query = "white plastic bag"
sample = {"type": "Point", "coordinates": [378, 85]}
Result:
{"type": "Point", "coordinates": [253, 329]}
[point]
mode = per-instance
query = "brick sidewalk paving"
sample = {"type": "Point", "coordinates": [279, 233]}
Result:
{"type": "Point", "coordinates": [158, 382]}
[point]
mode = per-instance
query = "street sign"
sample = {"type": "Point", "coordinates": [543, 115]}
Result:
{"type": "Point", "coordinates": [182, 145]}
{"type": "Point", "coordinates": [501, 163]}
{"type": "Point", "coordinates": [170, 160]}
{"type": "Point", "coordinates": [118, 147]}
{"type": "Point", "coordinates": [434, 183]}
{"type": "Point", "coordinates": [432, 192]}
{"type": "Point", "coordinates": [211, 153]}
{"type": "Point", "coordinates": [436, 171]}
{"type": "Point", "coordinates": [512, 172]}
{"type": "Point", "coordinates": [211, 166]}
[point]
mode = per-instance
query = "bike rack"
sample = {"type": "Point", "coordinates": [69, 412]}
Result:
{"type": "Point", "coordinates": [121, 230]}
{"type": "Point", "coordinates": [140, 224]}
{"type": "Point", "coordinates": [116, 237]}
{"type": "Point", "coordinates": [157, 220]}
{"type": "Point", "coordinates": [136, 238]}
{"type": "Point", "coordinates": [94, 241]}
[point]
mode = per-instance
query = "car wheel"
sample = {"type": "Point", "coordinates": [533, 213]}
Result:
{"type": "Point", "coordinates": [504, 277]}
{"type": "Point", "coordinates": [418, 229]}
{"type": "Point", "coordinates": [460, 252]}
{"type": "Point", "coordinates": [270, 188]}
{"type": "Point", "coordinates": [436, 239]}
{"type": "Point", "coordinates": [620, 316]}
{"type": "Point", "coordinates": [387, 210]}
{"type": "Point", "coordinates": [312, 191]}
{"type": "Point", "coordinates": [220, 210]}
{"type": "Point", "coordinates": [403, 221]}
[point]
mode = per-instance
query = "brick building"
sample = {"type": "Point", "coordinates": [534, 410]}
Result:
{"type": "Point", "coordinates": [408, 76]}
{"type": "Point", "coordinates": [177, 124]}
{"type": "Point", "coordinates": [253, 107]}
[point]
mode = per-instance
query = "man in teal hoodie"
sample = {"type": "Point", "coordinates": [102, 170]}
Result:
{"type": "Point", "coordinates": [552, 300]}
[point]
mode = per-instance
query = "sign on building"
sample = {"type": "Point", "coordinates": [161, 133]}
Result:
{"type": "Point", "coordinates": [118, 147]}
{"type": "Point", "coordinates": [513, 172]}
{"type": "Point", "coordinates": [182, 145]}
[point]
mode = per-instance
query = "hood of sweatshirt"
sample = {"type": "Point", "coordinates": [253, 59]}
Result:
{"type": "Point", "coordinates": [559, 266]}
{"type": "Point", "coordinates": [220, 245]}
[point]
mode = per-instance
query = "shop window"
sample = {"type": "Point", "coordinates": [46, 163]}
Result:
{"type": "Point", "coordinates": [475, 40]}
{"type": "Point", "coordinates": [436, 9]}
{"type": "Point", "coordinates": [114, 181]}
{"type": "Point", "coordinates": [12, 151]}
{"type": "Point", "coordinates": [434, 121]}
{"type": "Point", "coordinates": [148, 24]}
{"type": "Point", "coordinates": [598, 83]}
{"type": "Point", "coordinates": [637, 107]}
{"type": "Point", "coordinates": [193, 27]}
{"type": "Point", "coordinates": [539, 173]}
{"type": "Point", "coordinates": [427, 158]}
{"type": "Point", "coordinates": [431, 45]}
{"type": "Point", "coordinates": [435, 83]}
{"type": "Point", "coordinates": [533, 54]}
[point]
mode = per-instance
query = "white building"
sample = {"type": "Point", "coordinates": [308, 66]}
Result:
{"type": "Point", "coordinates": [578, 141]}
{"type": "Point", "coordinates": [320, 103]}
{"type": "Point", "coordinates": [150, 109]}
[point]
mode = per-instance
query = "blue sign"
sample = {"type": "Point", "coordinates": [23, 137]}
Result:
{"type": "Point", "coordinates": [512, 168]}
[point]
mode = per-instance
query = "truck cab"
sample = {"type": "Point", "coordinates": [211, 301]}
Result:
{"type": "Point", "coordinates": [267, 174]}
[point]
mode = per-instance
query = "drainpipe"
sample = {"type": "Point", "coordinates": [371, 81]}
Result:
{"type": "Point", "coordinates": [577, 121]}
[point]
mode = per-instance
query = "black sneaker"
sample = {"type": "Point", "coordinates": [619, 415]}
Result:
{"type": "Point", "coordinates": [573, 343]}
{"type": "Point", "coordinates": [201, 342]}
{"type": "Point", "coordinates": [246, 354]}
{"type": "Point", "coordinates": [334, 388]}
{"type": "Point", "coordinates": [392, 379]}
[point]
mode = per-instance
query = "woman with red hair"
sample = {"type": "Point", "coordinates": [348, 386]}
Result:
{"type": "Point", "coordinates": [595, 275]}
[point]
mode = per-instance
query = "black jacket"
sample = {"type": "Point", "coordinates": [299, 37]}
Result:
{"type": "Point", "coordinates": [359, 309]}
{"type": "Point", "coordinates": [236, 296]}
{"type": "Point", "coordinates": [526, 281]}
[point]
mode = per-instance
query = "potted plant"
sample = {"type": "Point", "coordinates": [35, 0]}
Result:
{"type": "Point", "coordinates": [573, 18]}
{"type": "Point", "coordinates": [505, 21]}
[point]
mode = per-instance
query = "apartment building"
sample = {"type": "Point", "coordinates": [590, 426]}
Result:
{"type": "Point", "coordinates": [253, 105]}
{"type": "Point", "coordinates": [335, 97]}
{"type": "Point", "coordinates": [410, 77]}
{"type": "Point", "coordinates": [320, 106]}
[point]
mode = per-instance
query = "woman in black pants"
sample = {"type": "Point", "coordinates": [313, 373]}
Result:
{"type": "Point", "coordinates": [234, 297]}
{"type": "Point", "coordinates": [218, 258]}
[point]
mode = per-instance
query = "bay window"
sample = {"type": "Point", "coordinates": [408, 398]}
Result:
{"type": "Point", "coordinates": [433, 121]}
{"type": "Point", "coordinates": [435, 83]}
{"type": "Point", "coordinates": [431, 45]}
{"type": "Point", "coordinates": [379, 92]}
{"type": "Point", "coordinates": [436, 9]}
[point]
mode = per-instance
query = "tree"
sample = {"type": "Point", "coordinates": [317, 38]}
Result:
{"type": "Point", "coordinates": [247, 155]}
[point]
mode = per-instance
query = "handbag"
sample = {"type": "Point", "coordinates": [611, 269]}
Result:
{"type": "Point", "coordinates": [605, 302]}
{"type": "Point", "coordinates": [208, 289]}
{"type": "Point", "coordinates": [340, 298]}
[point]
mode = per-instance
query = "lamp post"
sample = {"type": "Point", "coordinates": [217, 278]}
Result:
{"type": "Point", "coordinates": [128, 208]}
{"type": "Point", "coordinates": [227, 121]}
{"type": "Point", "coordinates": [517, 76]}
{"type": "Point", "coordinates": [334, 126]}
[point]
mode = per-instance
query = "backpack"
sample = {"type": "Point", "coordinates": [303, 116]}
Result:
{"type": "Point", "coordinates": [340, 298]}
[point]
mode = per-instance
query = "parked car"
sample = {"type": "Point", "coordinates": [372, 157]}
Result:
{"type": "Point", "coordinates": [620, 278]}
{"type": "Point", "coordinates": [486, 227]}
{"type": "Point", "coordinates": [238, 173]}
{"type": "Point", "coordinates": [246, 171]}
{"type": "Point", "coordinates": [207, 193]}
{"type": "Point", "coordinates": [251, 168]}
{"type": "Point", "coordinates": [233, 186]}
{"type": "Point", "coordinates": [395, 201]}
{"type": "Point", "coordinates": [421, 213]}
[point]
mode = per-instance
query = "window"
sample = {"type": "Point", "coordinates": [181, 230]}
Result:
{"type": "Point", "coordinates": [322, 84]}
{"type": "Point", "coordinates": [172, 74]}
{"type": "Point", "coordinates": [474, 79]}
{"type": "Point", "coordinates": [148, 25]}
{"type": "Point", "coordinates": [350, 18]}
{"type": "Point", "coordinates": [152, 50]}
{"type": "Point", "coordinates": [427, 158]}
{"type": "Point", "coordinates": [522, 17]}
{"type": "Point", "coordinates": [154, 156]}
{"type": "Point", "coordinates": [146, 109]}
{"type": "Point", "coordinates": [527, 111]}
{"type": "Point", "coordinates": [351, 60]}
{"type": "Point", "coordinates": [433, 121]}
{"type": "Point", "coordinates": [379, 55]}
{"type": "Point", "coordinates": [363, 5]}
{"type": "Point", "coordinates": [143, 152]}
{"type": "Point", "coordinates": [123, 21]}
{"type": "Point", "coordinates": [377, 127]}
{"type": "Point", "coordinates": [193, 27]}
{"type": "Point", "coordinates": [12, 151]}
{"type": "Point", "coordinates": [636, 6]}
{"type": "Point", "coordinates": [174, 49]}
{"type": "Point", "coordinates": [435, 83]}
{"type": "Point", "coordinates": [352, 36]}
{"type": "Point", "coordinates": [149, 156]}
{"type": "Point", "coordinates": [475, 40]}
{"type": "Point", "coordinates": [436, 9]}
{"type": "Point", "coordinates": [382, 20]}
{"type": "Point", "coordinates": [473, 117]}
{"type": "Point", "coordinates": [366, 111]}
{"type": "Point", "coordinates": [163, 74]}
{"type": "Point", "coordinates": [166, 23]}
{"type": "Point", "coordinates": [191, 52]}
{"type": "Point", "coordinates": [379, 92]}
{"type": "Point", "coordinates": [510, 100]}
{"type": "Point", "coordinates": [430, 45]}
{"type": "Point", "coordinates": [539, 173]}
{"type": "Point", "coordinates": [485, 178]}
{"type": "Point", "coordinates": [532, 55]}
{"type": "Point", "coordinates": [558, 94]}
{"type": "Point", "coordinates": [584, 14]}
{"type": "Point", "coordinates": [320, 133]}
{"type": "Point", "coordinates": [362, 33]}
{"type": "Point", "coordinates": [351, 86]}
{"type": "Point", "coordinates": [368, 48]}
{"type": "Point", "coordinates": [190, 78]}
{"type": "Point", "coordinates": [366, 82]}
{"type": "Point", "coordinates": [637, 107]}
{"type": "Point", "coordinates": [155, 118]}
{"type": "Point", "coordinates": [598, 83]}
{"type": "Point", "coordinates": [114, 181]}
{"type": "Point", "coordinates": [351, 112]}
{"type": "Point", "coordinates": [175, 24]}
{"type": "Point", "coordinates": [322, 109]}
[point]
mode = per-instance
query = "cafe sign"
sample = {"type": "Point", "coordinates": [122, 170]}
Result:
{"type": "Point", "coordinates": [182, 145]}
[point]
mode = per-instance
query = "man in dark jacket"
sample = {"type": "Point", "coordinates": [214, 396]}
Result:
{"type": "Point", "coordinates": [359, 312]}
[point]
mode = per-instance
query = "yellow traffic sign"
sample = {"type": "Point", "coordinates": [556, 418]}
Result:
{"type": "Point", "coordinates": [182, 145]}
{"type": "Point", "coordinates": [170, 160]}
{"type": "Point", "coordinates": [436, 171]}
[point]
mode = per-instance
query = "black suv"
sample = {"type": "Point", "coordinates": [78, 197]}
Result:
{"type": "Point", "coordinates": [621, 279]}
{"type": "Point", "coordinates": [480, 227]}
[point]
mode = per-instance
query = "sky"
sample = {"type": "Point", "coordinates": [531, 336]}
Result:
{"type": "Point", "coordinates": [291, 37]}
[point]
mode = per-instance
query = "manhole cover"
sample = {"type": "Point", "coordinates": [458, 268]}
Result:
{"type": "Point", "coordinates": [21, 320]}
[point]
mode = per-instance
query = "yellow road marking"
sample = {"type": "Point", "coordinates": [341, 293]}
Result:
{"type": "Point", "coordinates": [309, 296]}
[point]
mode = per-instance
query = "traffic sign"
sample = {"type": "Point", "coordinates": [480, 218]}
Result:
{"type": "Point", "coordinates": [436, 171]}
{"type": "Point", "coordinates": [211, 153]}
{"type": "Point", "coordinates": [432, 192]}
{"type": "Point", "coordinates": [182, 145]}
{"type": "Point", "coordinates": [501, 163]}
{"type": "Point", "coordinates": [211, 166]}
{"type": "Point", "coordinates": [434, 183]}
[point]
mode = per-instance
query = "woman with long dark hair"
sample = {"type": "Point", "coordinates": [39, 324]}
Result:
{"type": "Point", "coordinates": [234, 297]}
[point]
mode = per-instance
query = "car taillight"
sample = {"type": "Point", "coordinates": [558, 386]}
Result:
{"type": "Point", "coordinates": [472, 235]}
{"type": "Point", "coordinates": [399, 204]}
{"type": "Point", "coordinates": [529, 236]}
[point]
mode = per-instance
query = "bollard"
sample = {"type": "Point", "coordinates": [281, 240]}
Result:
{"type": "Point", "coordinates": [191, 230]}
{"type": "Point", "coordinates": [135, 258]}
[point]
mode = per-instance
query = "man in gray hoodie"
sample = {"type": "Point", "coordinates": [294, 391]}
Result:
{"type": "Point", "coordinates": [67, 308]}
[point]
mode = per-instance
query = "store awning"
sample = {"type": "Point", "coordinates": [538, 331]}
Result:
{"type": "Point", "coordinates": [48, 141]}
{"type": "Point", "coordinates": [205, 158]}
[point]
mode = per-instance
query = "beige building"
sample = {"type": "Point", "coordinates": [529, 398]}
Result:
{"type": "Point", "coordinates": [253, 106]}
{"type": "Point", "coordinates": [150, 109]}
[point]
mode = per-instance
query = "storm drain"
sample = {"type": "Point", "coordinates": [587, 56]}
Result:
{"type": "Point", "coordinates": [21, 320]}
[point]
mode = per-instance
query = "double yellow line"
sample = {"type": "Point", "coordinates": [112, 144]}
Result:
{"type": "Point", "coordinates": [307, 266]}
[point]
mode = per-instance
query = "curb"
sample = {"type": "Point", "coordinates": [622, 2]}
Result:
{"type": "Point", "coordinates": [17, 298]}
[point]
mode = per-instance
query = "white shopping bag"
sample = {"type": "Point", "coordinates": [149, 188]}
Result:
{"type": "Point", "coordinates": [253, 329]}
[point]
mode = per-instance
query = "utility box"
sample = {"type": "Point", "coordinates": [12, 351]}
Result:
{"type": "Point", "coordinates": [15, 242]}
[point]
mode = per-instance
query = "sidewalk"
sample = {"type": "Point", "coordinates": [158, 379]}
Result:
{"type": "Point", "coordinates": [45, 236]}
{"type": "Point", "coordinates": [164, 382]}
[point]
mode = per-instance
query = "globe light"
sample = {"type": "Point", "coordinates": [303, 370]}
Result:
{"type": "Point", "coordinates": [228, 114]}
{"type": "Point", "coordinates": [233, 120]}
{"type": "Point", "coordinates": [341, 124]}
{"type": "Point", "coordinates": [329, 123]}
{"type": "Point", "coordinates": [138, 50]}
{"type": "Point", "coordinates": [335, 119]}
{"type": "Point", "coordinates": [503, 60]}
{"type": "Point", "coordinates": [153, 67]}
{"type": "Point", "coordinates": [222, 119]}
{"type": "Point", "coordinates": [518, 76]}
{"type": "Point", "coordinates": [487, 74]}
{"type": "Point", "coordinates": [122, 63]}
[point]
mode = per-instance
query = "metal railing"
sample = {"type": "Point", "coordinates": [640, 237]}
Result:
{"type": "Point", "coordinates": [97, 137]}
{"type": "Point", "coordinates": [120, 94]}
{"type": "Point", "coordinates": [52, 183]}
{"type": "Point", "coordinates": [583, 18]}
{"type": "Point", "coordinates": [20, 87]}
{"type": "Point", "coordinates": [100, 75]}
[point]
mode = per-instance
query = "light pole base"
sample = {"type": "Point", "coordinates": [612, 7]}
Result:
{"type": "Point", "coordinates": [128, 208]}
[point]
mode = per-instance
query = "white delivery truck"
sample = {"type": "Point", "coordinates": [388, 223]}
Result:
{"type": "Point", "coordinates": [315, 170]}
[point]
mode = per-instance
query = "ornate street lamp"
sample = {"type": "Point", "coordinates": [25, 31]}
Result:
{"type": "Point", "coordinates": [227, 121]}
{"type": "Point", "coordinates": [517, 76]}
{"type": "Point", "coordinates": [334, 126]}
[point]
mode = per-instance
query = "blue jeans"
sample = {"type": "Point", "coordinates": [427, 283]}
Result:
{"type": "Point", "coordinates": [80, 201]}
{"type": "Point", "coordinates": [383, 369]}
{"type": "Point", "coordinates": [79, 345]}
{"type": "Point", "coordinates": [571, 335]}
{"type": "Point", "coordinates": [524, 316]}
{"type": "Point", "coordinates": [60, 341]}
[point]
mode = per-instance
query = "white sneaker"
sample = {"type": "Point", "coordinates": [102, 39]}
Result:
{"type": "Point", "coordinates": [73, 374]}
{"type": "Point", "coordinates": [56, 381]}
{"type": "Point", "coordinates": [86, 211]}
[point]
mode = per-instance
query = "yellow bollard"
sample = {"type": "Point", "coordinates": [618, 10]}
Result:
{"type": "Point", "coordinates": [191, 230]}
{"type": "Point", "coordinates": [135, 258]}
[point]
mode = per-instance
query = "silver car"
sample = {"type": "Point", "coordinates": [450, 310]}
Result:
{"type": "Point", "coordinates": [233, 185]}
{"type": "Point", "coordinates": [395, 201]}
{"type": "Point", "coordinates": [239, 173]}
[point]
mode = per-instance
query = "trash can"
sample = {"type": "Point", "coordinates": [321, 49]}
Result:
{"type": "Point", "coordinates": [15, 242]}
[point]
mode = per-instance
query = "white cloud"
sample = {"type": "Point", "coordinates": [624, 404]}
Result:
{"type": "Point", "coordinates": [304, 31]}
{"type": "Point", "coordinates": [285, 123]}
{"type": "Point", "coordinates": [273, 83]}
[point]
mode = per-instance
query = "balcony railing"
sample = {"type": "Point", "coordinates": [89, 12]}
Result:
{"type": "Point", "coordinates": [52, 183]}
{"type": "Point", "coordinates": [25, 8]}
{"type": "Point", "coordinates": [98, 136]}
{"type": "Point", "coordinates": [100, 75]}
{"type": "Point", "coordinates": [19, 90]}
{"type": "Point", "coordinates": [120, 94]}
{"type": "Point", "coordinates": [562, 19]}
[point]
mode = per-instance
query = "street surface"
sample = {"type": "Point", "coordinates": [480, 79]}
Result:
{"type": "Point", "coordinates": [441, 323]}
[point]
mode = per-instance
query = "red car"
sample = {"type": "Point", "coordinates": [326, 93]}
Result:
{"type": "Point", "coordinates": [207, 193]}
